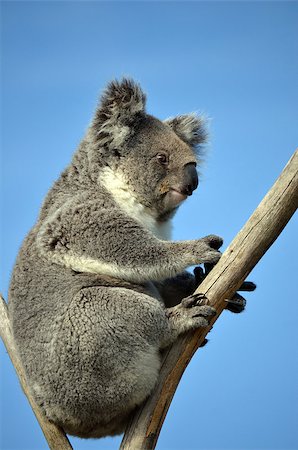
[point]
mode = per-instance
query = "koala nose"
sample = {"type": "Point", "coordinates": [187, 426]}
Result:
{"type": "Point", "coordinates": [191, 180]}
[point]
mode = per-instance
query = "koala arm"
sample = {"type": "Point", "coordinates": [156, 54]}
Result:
{"type": "Point", "coordinates": [86, 237]}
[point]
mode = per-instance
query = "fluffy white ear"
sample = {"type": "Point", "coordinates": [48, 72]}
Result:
{"type": "Point", "coordinates": [120, 103]}
{"type": "Point", "coordinates": [191, 128]}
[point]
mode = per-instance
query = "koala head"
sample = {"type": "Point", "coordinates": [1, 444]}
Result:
{"type": "Point", "coordinates": [155, 159]}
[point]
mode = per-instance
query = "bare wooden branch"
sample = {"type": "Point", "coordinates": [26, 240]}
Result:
{"type": "Point", "coordinates": [55, 437]}
{"type": "Point", "coordinates": [248, 247]}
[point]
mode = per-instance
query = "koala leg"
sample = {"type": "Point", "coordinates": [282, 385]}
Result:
{"type": "Point", "coordinates": [105, 360]}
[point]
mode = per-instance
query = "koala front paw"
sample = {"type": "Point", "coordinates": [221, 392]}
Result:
{"type": "Point", "coordinates": [193, 312]}
{"type": "Point", "coordinates": [236, 304]}
{"type": "Point", "coordinates": [207, 249]}
{"type": "Point", "coordinates": [213, 241]}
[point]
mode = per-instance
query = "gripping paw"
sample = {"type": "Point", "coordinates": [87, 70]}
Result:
{"type": "Point", "coordinates": [213, 241]}
{"type": "Point", "coordinates": [200, 310]}
{"type": "Point", "coordinates": [192, 312]}
{"type": "Point", "coordinates": [207, 249]}
{"type": "Point", "coordinates": [237, 303]}
{"type": "Point", "coordinates": [195, 300]}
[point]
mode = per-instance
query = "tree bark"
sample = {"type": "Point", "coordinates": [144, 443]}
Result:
{"type": "Point", "coordinates": [55, 437]}
{"type": "Point", "coordinates": [248, 247]}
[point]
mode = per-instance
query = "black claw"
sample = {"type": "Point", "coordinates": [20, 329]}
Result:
{"type": "Point", "coordinates": [199, 295]}
{"type": "Point", "coordinates": [195, 300]}
{"type": "Point", "coordinates": [247, 286]}
{"type": "Point", "coordinates": [236, 304]}
{"type": "Point", "coordinates": [237, 301]}
{"type": "Point", "coordinates": [208, 267]}
{"type": "Point", "coordinates": [187, 302]}
{"type": "Point", "coordinates": [201, 299]}
{"type": "Point", "coordinates": [199, 275]}
{"type": "Point", "coordinates": [205, 341]}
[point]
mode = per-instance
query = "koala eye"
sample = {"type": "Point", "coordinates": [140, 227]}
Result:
{"type": "Point", "coordinates": [162, 158]}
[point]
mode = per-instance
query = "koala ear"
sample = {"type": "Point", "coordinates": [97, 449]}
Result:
{"type": "Point", "coordinates": [191, 128]}
{"type": "Point", "coordinates": [120, 104]}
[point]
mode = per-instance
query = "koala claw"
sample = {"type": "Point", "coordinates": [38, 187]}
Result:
{"type": "Point", "coordinates": [236, 304]}
{"type": "Point", "coordinates": [190, 314]}
{"type": "Point", "coordinates": [205, 342]}
{"type": "Point", "coordinates": [200, 309]}
{"type": "Point", "coordinates": [195, 300]}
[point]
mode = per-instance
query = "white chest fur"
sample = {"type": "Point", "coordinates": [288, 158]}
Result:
{"type": "Point", "coordinates": [131, 206]}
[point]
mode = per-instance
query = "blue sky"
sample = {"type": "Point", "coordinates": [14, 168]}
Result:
{"type": "Point", "coordinates": [237, 62]}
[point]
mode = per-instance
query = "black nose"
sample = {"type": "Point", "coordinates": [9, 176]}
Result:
{"type": "Point", "coordinates": [191, 180]}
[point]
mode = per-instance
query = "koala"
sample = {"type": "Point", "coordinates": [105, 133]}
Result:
{"type": "Point", "coordinates": [98, 286]}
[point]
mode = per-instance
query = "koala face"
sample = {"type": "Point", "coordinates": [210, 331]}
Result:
{"type": "Point", "coordinates": [156, 160]}
{"type": "Point", "coordinates": [159, 167]}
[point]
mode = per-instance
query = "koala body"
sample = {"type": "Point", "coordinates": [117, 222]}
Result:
{"type": "Point", "coordinates": [97, 286]}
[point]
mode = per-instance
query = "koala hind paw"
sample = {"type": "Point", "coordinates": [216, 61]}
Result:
{"type": "Point", "coordinates": [193, 312]}
{"type": "Point", "coordinates": [197, 307]}
{"type": "Point", "coordinates": [198, 299]}
{"type": "Point", "coordinates": [199, 316]}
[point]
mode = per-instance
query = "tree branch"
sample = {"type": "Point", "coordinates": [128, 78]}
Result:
{"type": "Point", "coordinates": [55, 437]}
{"type": "Point", "coordinates": [248, 247]}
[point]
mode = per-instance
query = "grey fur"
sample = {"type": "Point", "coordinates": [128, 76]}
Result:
{"type": "Point", "coordinates": [91, 295]}
{"type": "Point", "coordinates": [190, 128]}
